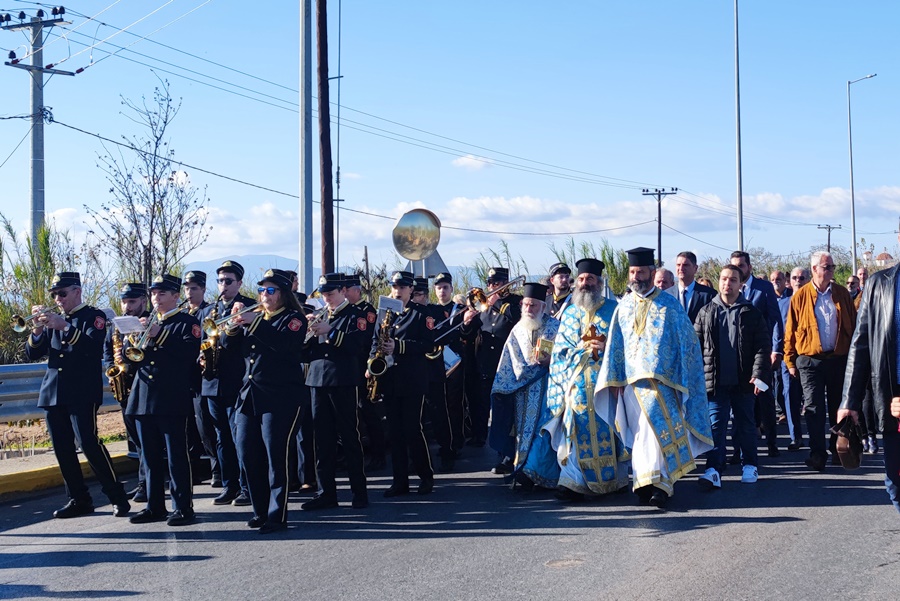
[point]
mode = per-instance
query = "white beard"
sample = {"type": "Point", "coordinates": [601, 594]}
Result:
{"type": "Point", "coordinates": [531, 324]}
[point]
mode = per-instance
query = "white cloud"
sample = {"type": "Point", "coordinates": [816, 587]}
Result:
{"type": "Point", "coordinates": [350, 175]}
{"type": "Point", "coordinates": [471, 162]}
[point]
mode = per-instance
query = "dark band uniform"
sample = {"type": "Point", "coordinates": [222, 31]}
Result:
{"type": "Point", "coordinates": [404, 386]}
{"type": "Point", "coordinates": [454, 386]}
{"type": "Point", "coordinates": [202, 430]}
{"type": "Point", "coordinates": [220, 388]}
{"type": "Point", "coordinates": [267, 406]}
{"type": "Point", "coordinates": [71, 392]}
{"type": "Point", "coordinates": [161, 402]}
{"type": "Point", "coordinates": [370, 413]}
{"type": "Point", "coordinates": [334, 376]}
{"type": "Point", "coordinates": [129, 290]}
{"type": "Point", "coordinates": [559, 303]}
{"type": "Point", "coordinates": [493, 326]}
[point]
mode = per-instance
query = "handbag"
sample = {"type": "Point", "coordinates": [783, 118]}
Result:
{"type": "Point", "coordinates": [849, 443]}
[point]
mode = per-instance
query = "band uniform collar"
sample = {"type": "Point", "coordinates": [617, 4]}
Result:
{"type": "Point", "coordinates": [167, 314]}
{"type": "Point", "coordinates": [76, 309]}
{"type": "Point", "coordinates": [270, 316]}
{"type": "Point", "coordinates": [338, 309]}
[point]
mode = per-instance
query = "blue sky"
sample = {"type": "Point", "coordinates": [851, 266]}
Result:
{"type": "Point", "coordinates": [576, 95]}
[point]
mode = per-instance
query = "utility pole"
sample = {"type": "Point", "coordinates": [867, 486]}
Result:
{"type": "Point", "coordinates": [829, 228]}
{"type": "Point", "coordinates": [325, 175]}
{"type": "Point", "coordinates": [37, 70]}
{"type": "Point", "coordinates": [305, 267]}
{"type": "Point", "coordinates": [658, 193]}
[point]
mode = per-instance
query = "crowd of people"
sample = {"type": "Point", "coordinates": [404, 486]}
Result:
{"type": "Point", "coordinates": [577, 391]}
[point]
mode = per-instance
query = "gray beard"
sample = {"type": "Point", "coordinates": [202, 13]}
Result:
{"type": "Point", "coordinates": [641, 288]}
{"type": "Point", "coordinates": [531, 324]}
{"type": "Point", "coordinates": [589, 300]}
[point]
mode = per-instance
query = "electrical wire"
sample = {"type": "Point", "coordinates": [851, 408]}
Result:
{"type": "Point", "coordinates": [25, 137]}
{"type": "Point", "coordinates": [697, 239]}
{"type": "Point", "coordinates": [89, 19]}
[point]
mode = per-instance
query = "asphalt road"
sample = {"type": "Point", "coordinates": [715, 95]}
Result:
{"type": "Point", "coordinates": [793, 535]}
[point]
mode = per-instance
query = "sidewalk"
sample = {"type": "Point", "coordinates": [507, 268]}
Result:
{"type": "Point", "coordinates": [28, 474]}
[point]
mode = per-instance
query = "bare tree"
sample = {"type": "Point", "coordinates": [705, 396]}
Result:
{"type": "Point", "coordinates": [155, 217]}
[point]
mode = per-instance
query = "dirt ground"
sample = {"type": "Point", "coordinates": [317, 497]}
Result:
{"type": "Point", "coordinates": [16, 436]}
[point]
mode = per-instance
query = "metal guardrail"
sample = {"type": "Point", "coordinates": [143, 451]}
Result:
{"type": "Point", "coordinates": [19, 388]}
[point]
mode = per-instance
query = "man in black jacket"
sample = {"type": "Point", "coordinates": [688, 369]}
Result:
{"type": "Point", "coordinates": [736, 349]}
{"type": "Point", "coordinates": [72, 391]}
{"type": "Point", "coordinates": [874, 352]}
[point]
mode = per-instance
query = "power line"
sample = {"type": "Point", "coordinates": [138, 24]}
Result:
{"type": "Point", "coordinates": [697, 239]}
{"type": "Point", "coordinates": [25, 137]}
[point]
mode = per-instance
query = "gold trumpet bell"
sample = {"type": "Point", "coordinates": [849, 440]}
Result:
{"type": "Point", "coordinates": [134, 354]}
{"type": "Point", "coordinates": [19, 324]}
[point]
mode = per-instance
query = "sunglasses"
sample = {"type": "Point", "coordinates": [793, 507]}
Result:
{"type": "Point", "coordinates": [852, 284]}
{"type": "Point", "coordinates": [268, 290]}
{"type": "Point", "coordinates": [798, 277]}
{"type": "Point", "coordinates": [226, 281]}
{"type": "Point", "coordinates": [59, 294]}
{"type": "Point", "coordinates": [827, 267]}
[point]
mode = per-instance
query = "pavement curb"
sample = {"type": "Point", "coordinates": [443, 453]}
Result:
{"type": "Point", "coordinates": [50, 476]}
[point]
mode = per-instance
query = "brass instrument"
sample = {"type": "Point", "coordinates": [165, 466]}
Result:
{"type": "Point", "coordinates": [20, 324]}
{"type": "Point", "coordinates": [135, 352]}
{"type": "Point", "coordinates": [316, 317]}
{"type": "Point", "coordinates": [380, 363]}
{"type": "Point", "coordinates": [212, 326]}
{"type": "Point", "coordinates": [477, 300]}
{"type": "Point", "coordinates": [119, 380]}
{"type": "Point", "coordinates": [209, 348]}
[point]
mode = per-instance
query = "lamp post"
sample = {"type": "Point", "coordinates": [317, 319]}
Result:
{"type": "Point", "coordinates": [852, 193]}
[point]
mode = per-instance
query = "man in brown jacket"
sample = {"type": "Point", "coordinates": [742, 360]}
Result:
{"type": "Point", "coordinates": [818, 331]}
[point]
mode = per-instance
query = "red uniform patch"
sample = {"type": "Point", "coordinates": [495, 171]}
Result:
{"type": "Point", "coordinates": [294, 325]}
{"type": "Point", "coordinates": [195, 330]}
{"type": "Point", "coordinates": [361, 324]}
{"type": "Point", "coordinates": [429, 323]}
{"type": "Point", "coordinates": [370, 317]}
{"type": "Point", "coordinates": [99, 323]}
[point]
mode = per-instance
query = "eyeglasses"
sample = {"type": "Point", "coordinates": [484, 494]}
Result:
{"type": "Point", "coordinates": [798, 277]}
{"type": "Point", "coordinates": [852, 284]}
{"type": "Point", "coordinates": [226, 281]}
{"type": "Point", "coordinates": [827, 267]}
{"type": "Point", "coordinates": [270, 290]}
{"type": "Point", "coordinates": [59, 293]}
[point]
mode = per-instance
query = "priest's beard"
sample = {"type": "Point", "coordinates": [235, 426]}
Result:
{"type": "Point", "coordinates": [531, 324]}
{"type": "Point", "coordinates": [589, 298]}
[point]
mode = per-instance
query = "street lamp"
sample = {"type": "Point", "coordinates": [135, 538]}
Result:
{"type": "Point", "coordinates": [852, 194]}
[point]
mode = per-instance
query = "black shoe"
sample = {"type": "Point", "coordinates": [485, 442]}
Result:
{"type": "Point", "coordinates": [140, 494]}
{"type": "Point", "coordinates": [226, 497]}
{"type": "Point", "coordinates": [147, 516]}
{"type": "Point", "coordinates": [503, 468]}
{"type": "Point", "coordinates": [121, 509]}
{"type": "Point", "coordinates": [426, 486]}
{"type": "Point", "coordinates": [360, 501]}
{"type": "Point", "coordinates": [815, 462]}
{"type": "Point", "coordinates": [73, 509]}
{"type": "Point", "coordinates": [181, 518]}
{"type": "Point", "coordinates": [567, 495]}
{"type": "Point", "coordinates": [794, 445]}
{"type": "Point", "coordinates": [396, 491]}
{"type": "Point", "coordinates": [375, 464]}
{"type": "Point", "coordinates": [270, 527]}
{"type": "Point", "coordinates": [319, 502]}
{"type": "Point", "coordinates": [773, 451]}
{"type": "Point", "coordinates": [644, 493]}
{"type": "Point", "coordinates": [216, 483]}
{"type": "Point", "coordinates": [256, 522]}
{"type": "Point", "coordinates": [242, 500]}
{"type": "Point", "coordinates": [523, 482]}
{"type": "Point", "coordinates": [659, 498]}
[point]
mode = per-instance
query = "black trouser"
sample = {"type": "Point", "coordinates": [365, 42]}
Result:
{"type": "Point", "coordinates": [166, 436]}
{"type": "Point", "coordinates": [334, 415]}
{"type": "Point", "coordinates": [822, 378]}
{"type": "Point", "coordinates": [436, 401]}
{"type": "Point", "coordinates": [206, 429]}
{"type": "Point", "coordinates": [301, 457]}
{"type": "Point", "coordinates": [71, 427]}
{"type": "Point", "coordinates": [867, 417]}
{"type": "Point", "coordinates": [456, 408]}
{"type": "Point", "coordinates": [404, 417]}
{"type": "Point", "coordinates": [131, 428]}
{"type": "Point", "coordinates": [370, 414]}
{"type": "Point", "coordinates": [765, 415]}
{"type": "Point", "coordinates": [480, 408]}
{"type": "Point", "coordinates": [262, 445]}
{"type": "Point", "coordinates": [222, 414]}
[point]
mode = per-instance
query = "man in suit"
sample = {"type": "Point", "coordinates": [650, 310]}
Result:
{"type": "Point", "coordinates": [692, 295]}
{"type": "Point", "coordinates": [761, 294]}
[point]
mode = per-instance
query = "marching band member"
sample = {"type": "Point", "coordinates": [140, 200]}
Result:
{"type": "Point", "coordinates": [132, 302]}
{"type": "Point", "coordinates": [560, 288]}
{"type": "Point", "coordinates": [161, 401]}
{"type": "Point", "coordinates": [336, 342]}
{"type": "Point", "coordinates": [410, 337]}
{"type": "Point", "coordinates": [267, 407]}
{"type": "Point", "coordinates": [72, 390]}
{"type": "Point", "coordinates": [454, 387]}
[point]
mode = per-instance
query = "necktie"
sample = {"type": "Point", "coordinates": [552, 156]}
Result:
{"type": "Point", "coordinates": [684, 298]}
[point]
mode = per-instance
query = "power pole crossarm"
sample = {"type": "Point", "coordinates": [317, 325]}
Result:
{"type": "Point", "coordinates": [659, 193]}
{"type": "Point", "coordinates": [829, 228]}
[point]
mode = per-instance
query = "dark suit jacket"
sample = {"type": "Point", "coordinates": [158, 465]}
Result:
{"type": "Point", "coordinates": [700, 297]}
{"type": "Point", "coordinates": [761, 295]}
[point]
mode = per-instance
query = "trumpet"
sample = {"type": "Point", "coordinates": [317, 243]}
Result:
{"type": "Point", "coordinates": [314, 318]}
{"type": "Point", "coordinates": [477, 300]}
{"type": "Point", "coordinates": [212, 326]}
{"type": "Point", "coordinates": [20, 324]}
{"type": "Point", "coordinates": [135, 353]}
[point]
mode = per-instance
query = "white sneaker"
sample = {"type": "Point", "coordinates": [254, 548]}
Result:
{"type": "Point", "coordinates": [710, 480]}
{"type": "Point", "coordinates": [750, 474]}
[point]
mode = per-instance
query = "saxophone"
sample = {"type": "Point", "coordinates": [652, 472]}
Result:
{"type": "Point", "coordinates": [380, 363]}
{"type": "Point", "coordinates": [119, 380]}
{"type": "Point", "coordinates": [209, 348]}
